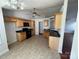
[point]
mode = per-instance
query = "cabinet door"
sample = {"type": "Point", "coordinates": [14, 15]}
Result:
{"type": "Point", "coordinates": [46, 35]}
{"type": "Point", "coordinates": [53, 43]}
{"type": "Point", "coordinates": [19, 23]}
{"type": "Point", "coordinates": [9, 19]}
{"type": "Point", "coordinates": [21, 36]}
{"type": "Point", "coordinates": [58, 19]}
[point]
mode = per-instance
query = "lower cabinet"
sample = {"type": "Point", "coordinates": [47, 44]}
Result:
{"type": "Point", "coordinates": [21, 36]}
{"type": "Point", "coordinates": [53, 42]}
{"type": "Point", "coordinates": [46, 34]}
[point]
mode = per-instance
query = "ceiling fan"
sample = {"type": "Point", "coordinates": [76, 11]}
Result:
{"type": "Point", "coordinates": [35, 13]}
{"type": "Point", "coordinates": [16, 4]}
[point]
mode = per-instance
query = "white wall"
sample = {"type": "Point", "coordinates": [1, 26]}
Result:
{"type": "Point", "coordinates": [3, 45]}
{"type": "Point", "coordinates": [10, 32]}
{"type": "Point", "coordinates": [18, 13]}
{"type": "Point", "coordinates": [74, 51]}
{"type": "Point", "coordinates": [37, 25]}
{"type": "Point", "coordinates": [62, 26]}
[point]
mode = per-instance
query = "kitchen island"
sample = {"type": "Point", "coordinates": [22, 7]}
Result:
{"type": "Point", "coordinates": [54, 39]}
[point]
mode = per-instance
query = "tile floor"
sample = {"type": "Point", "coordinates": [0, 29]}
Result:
{"type": "Point", "coordinates": [35, 47]}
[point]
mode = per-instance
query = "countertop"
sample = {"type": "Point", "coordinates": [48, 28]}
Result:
{"type": "Point", "coordinates": [53, 32]}
{"type": "Point", "coordinates": [20, 28]}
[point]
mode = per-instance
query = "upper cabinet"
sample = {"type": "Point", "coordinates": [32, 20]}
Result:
{"type": "Point", "coordinates": [9, 19]}
{"type": "Point", "coordinates": [58, 20]}
{"type": "Point", "coordinates": [19, 22]}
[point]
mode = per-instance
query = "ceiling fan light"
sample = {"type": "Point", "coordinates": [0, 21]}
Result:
{"type": "Point", "coordinates": [34, 14]}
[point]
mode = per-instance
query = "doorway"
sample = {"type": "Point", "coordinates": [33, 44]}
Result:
{"type": "Point", "coordinates": [40, 28]}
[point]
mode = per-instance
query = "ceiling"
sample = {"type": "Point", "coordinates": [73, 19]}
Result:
{"type": "Point", "coordinates": [44, 7]}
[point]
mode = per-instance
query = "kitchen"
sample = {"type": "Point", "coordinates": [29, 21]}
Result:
{"type": "Point", "coordinates": [45, 27]}
{"type": "Point", "coordinates": [20, 29]}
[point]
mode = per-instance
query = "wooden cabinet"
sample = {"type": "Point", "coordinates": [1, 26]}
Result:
{"type": "Point", "coordinates": [9, 19]}
{"type": "Point", "coordinates": [53, 42]}
{"type": "Point", "coordinates": [46, 34]}
{"type": "Point", "coordinates": [19, 23]}
{"type": "Point", "coordinates": [21, 36]}
{"type": "Point", "coordinates": [58, 20]}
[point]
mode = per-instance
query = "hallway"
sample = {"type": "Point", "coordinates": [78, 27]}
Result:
{"type": "Point", "coordinates": [34, 48]}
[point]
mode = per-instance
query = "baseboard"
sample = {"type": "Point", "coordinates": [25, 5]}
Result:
{"type": "Point", "coordinates": [12, 42]}
{"type": "Point", "coordinates": [3, 52]}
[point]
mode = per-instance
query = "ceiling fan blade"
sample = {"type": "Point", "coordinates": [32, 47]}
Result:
{"type": "Point", "coordinates": [38, 14]}
{"type": "Point", "coordinates": [34, 12]}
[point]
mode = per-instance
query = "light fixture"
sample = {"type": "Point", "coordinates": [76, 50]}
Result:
{"type": "Point", "coordinates": [16, 4]}
{"type": "Point", "coordinates": [35, 13]}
